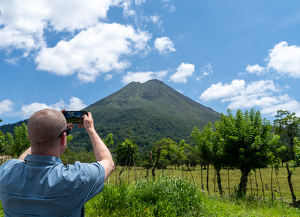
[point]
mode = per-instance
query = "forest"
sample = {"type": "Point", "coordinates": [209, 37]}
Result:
{"type": "Point", "coordinates": [237, 142]}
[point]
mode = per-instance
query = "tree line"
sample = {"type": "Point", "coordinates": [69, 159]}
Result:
{"type": "Point", "coordinates": [242, 141]}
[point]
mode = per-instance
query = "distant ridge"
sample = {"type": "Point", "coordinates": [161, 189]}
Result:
{"type": "Point", "coordinates": [151, 111]}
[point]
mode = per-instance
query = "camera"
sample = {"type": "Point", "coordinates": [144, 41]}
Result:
{"type": "Point", "coordinates": [74, 117]}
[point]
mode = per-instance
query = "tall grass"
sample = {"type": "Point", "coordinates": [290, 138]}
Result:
{"type": "Point", "coordinates": [280, 188]}
{"type": "Point", "coordinates": [177, 197]}
{"type": "Point", "coordinates": [164, 197]}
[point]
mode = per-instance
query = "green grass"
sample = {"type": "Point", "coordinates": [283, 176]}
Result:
{"type": "Point", "coordinates": [250, 208]}
{"type": "Point", "coordinates": [177, 197]}
{"type": "Point", "coordinates": [164, 197]}
{"type": "Point", "coordinates": [234, 179]}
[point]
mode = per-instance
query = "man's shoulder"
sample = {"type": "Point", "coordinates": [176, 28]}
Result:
{"type": "Point", "coordinates": [10, 163]}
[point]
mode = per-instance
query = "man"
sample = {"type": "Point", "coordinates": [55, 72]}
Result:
{"type": "Point", "coordinates": [38, 184]}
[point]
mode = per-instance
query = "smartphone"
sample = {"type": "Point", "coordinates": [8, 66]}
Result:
{"type": "Point", "coordinates": [74, 117]}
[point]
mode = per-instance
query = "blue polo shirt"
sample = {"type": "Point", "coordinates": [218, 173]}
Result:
{"type": "Point", "coordinates": [43, 186]}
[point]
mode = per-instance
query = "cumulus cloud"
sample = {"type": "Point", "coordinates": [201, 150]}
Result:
{"type": "Point", "coordinates": [285, 59]}
{"type": "Point", "coordinates": [217, 91]}
{"type": "Point", "coordinates": [183, 71]}
{"type": "Point", "coordinates": [24, 22]}
{"type": "Point", "coordinates": [164, 45]}
{"type": "Point", "coordinates": [255, 94]}
{"type": "Point", "coordinates": [6, 106]}
{"type": "Point", "coordinates": [75, 104]}
{"type": "Point", "coordinates": [255, 69]}
{"type": "Point", "coordinates": [143, 76]}
{"type": "Point", "coordinates": [95, 50]}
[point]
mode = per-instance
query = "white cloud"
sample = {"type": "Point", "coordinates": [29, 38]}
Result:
{"type": "Point", "coordinates": [127, 10]}
{"type": "Point", "coordinates": [217, 91]}
{"type": "Point", "coordinates": [143, 76]}
{"type": "Point", "coordinates": [28, 110]}
{"type": "Point", "coordinates": [75, 104]}
{"type": "Point", "coordinates": [183, 71]}
{"type": "Point", "coordinates": [139, 2]}
{"type": "Point", "coordinates": [6, 106]}
{"type": "Point", "coordinates": [255, 69]}
{"type": "Point", "coordinates": [95, 50]}
{"type": "Point", "coordinates": [284, 102]}
{"type": "Point", "coordinates": [169, 6]}
{"type": "Point", "coordinates": [25, 21]}
{"type": "Point", "coordinates": [154, 18]}
{"type": "Point", "coordinates": [255, 94]}
{"type": "Point", "coordinates": [285, 59]}
{"type": "Point", "coordinates": [108, 77]}
{"type": "Point", "coordinates": [164, 45]}
{"type": "Point", "coordinates": [205, 70]}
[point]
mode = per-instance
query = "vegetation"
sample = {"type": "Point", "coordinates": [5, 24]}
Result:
{"type": "Point", "coordinates": [176, 197]}
{"type": "Point", "coordinates": [15, 144]}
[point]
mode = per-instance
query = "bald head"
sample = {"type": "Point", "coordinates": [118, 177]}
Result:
{"type": "Point", "coordinates": [44, 128]}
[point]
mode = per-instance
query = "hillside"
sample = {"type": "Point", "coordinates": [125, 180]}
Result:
{"type": "Point", "coordinates": [151, 111]}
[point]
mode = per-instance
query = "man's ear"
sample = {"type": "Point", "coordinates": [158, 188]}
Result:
{"type": "Point", "coordinates": [63, 139]}
{"type": "Point", "coordinates": [28, 138]}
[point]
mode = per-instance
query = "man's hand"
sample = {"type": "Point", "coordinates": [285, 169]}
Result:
{"type": "Point", "coordinates": [22, 156]}
{"type": "Point", "coordinates": [88, 123]}
{"type": "Point", "coordinates": [69, 124]}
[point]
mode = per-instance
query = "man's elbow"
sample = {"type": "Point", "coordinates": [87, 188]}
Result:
{"type": "Point", "coordinates": [113, 167]}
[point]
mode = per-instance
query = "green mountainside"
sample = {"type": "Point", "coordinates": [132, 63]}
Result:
{"type": "Point", "coordinates": [151, 111]}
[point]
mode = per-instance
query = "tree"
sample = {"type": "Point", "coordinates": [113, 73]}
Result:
{"type": "Point", "coordinates": [246, 140]}
{"type": "Point", "coordinates": [18, 142]}
{"type": "Point", "coordinates": [126, 152]}
{"type": "Point", "coordinates": [168, 151]}
{"type": "Point", "coordinates": [109, 140]}
{"type": "Point", "coordinates": [287, 127]}
{"type": "Point", "coordinates": [210, 150]}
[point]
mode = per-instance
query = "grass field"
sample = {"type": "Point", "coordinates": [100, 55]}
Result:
{"type": "Point", "coordinates": [280, 184]}
{"type": "Point", "coordinates": [177, 197]}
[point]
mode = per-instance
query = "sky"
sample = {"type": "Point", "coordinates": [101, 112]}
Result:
{"type": "Point", "coordinates": [69, 54]}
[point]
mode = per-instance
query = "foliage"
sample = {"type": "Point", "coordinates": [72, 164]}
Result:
{"type": "Point", "coordinates": [163, 197]}
{"type": "Point", "coordinates": [169, 152]}
{"type": "Point", "coordinates": [287, 127]}
{"type": "Point", "coordinates": [246, 141]}
{"type": "Point", "coordinates": [126, 153]}
{"type": "Point", "coordinates": [209, 145]}
{"type": "Point", "coordinates": [16, 144]}
{"type": "Point", "coordinates": [109, 140]}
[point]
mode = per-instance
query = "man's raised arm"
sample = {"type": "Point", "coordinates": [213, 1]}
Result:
{"type": "Point", "coordinates": [101, 152]}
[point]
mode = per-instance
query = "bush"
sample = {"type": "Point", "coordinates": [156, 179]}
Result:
{"type": "Point", "coordinates": [164, 197]}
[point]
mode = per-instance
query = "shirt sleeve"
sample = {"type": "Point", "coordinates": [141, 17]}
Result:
{"type": "Point", "coordinates": [95, 178]}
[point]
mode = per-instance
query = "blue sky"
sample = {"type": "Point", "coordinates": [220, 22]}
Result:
{"type": "Point", "coordinates": [223, 54]}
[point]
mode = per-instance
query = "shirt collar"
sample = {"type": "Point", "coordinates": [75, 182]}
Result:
{"type": "Point", "coordinates": [42, 159]}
